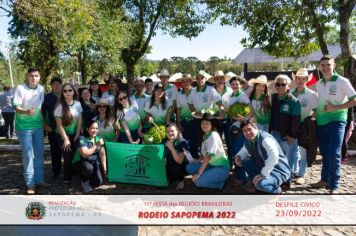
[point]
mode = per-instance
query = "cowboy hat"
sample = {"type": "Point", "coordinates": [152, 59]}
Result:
{"type": "Point", "coordinates": [262, 79]}
{"type": "Point", "coordinates": [138, 81]}
{"type": "Point", "coordinates": [203, 73]}
{"type": "Point", "coordinates": [164, 72]}
{"type": "Point", "coordinates": [218, 74]}
{"type": "Point", "coordinates": [185, 77]}
{"type": "Point", "coordinates": [302, 72]}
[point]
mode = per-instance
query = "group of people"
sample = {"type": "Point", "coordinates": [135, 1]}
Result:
{"type": "Point", "coordinates": [265, 148]}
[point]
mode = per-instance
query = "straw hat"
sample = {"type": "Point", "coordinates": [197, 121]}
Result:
{"type": "Point", "coordinates": [185, 77]}
{"type": "Point", "coordinates": [262, 79]}
{"type": "Point", "coordinates": [218, 74]}
{"type": "Point", "coordinates": [102, 102]}
{"type": "Point", "coordinates": [302, 72]}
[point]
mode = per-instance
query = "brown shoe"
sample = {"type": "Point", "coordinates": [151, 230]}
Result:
{"type": "Point", "coordinates": [30, 191]}
{"type": "Point", "coordinates": [43, 185]}
{"type": "Point", "coordinates": [320, 184]}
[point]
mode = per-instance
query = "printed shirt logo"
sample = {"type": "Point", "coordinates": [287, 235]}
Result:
{"type": "Point", "coordinates": [205, 98]}
{"type": "Point", "coordinates": [170, 94]}
{"type": "Point", "coordinates": [332, 89]}
{"type": "Point", "coordinates": [304, 103]}
{"type": "Point", "coordinates": [35, 211]}
{"type": "Point", "coordinates": [285, 108]}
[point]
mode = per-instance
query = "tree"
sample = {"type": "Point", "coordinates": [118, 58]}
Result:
{"type": "Point", "coordinates": [213, 61]}
{"type": "Point", "coordinates": [50, 30]}
{"type": "Point", "coordinates": [289, 28]}
{"type": "Point", "coordinates": [183, 17]}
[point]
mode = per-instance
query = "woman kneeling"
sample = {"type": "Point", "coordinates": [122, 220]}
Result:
{"type": "Point", "coordinates": [89, 156]}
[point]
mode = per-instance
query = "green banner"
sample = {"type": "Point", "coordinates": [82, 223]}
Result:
{"type": "Point", "coordinates": [136, 163]}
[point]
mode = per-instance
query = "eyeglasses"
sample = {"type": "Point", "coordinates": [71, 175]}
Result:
{"type": "Point", "coordinates": [280, 85]}
{"type": "Point", "coordinates": [67, 90]}
{"type": "Point", "coordinates": [99, 106]}
{"type": "Point", "coordinates": [122, 98]}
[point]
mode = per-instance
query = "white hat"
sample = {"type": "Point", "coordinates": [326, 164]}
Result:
{"type": "Point", "coordinates": [302, 72]}
{"type": "Point", "coordinates": [262, 79]}
{"type": "Point", "coordinates": [185, 77]}
{"type": "Point", "coordinates": [163, 72]}
{"type": "Point", "coordinates": [218, 74]}
{"type": "Point", "coordinates": [203, 73]}
{"type": "Point", "coordinates": [137, 81]}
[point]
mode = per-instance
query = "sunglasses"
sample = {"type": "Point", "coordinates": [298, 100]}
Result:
{"type": "Point", "coordinates": [122, 98]}
{"type": "Point", "coordinates": [280, 85]}
{"type": "Point", "coordinates": [67, 90]}
{"type": "Point", "coordinates": [99, 106]}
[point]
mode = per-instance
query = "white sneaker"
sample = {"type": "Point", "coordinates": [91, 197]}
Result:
{"type": "Point", "coordinates": [86, 186]}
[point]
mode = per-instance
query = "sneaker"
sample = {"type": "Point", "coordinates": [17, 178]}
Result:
{"type": "Point", "coordinates": [86, 186]}
{"type": "Point", "coordinates": [299, 181]}
{"type": "Point", "coordinates": [320, 184]}
{"type": "Point", "coordinates": [43, 185]}
{"type": "Point", "coordinates": [180, 185]}
{"type": "Point", "coordinates": [30, 191]}
{"type": "Point", "coordinates": [334, 191]}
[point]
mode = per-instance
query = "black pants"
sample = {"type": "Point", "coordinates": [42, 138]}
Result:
{"type": "Point", "coordinates": [89, 171]}
{"type": "Point", "coordinates": [56, 153]}
{"type": "Point", "coordinates": [175, 171]}
{"type": "Point", "coordinates": [67, 156]}
{"type": "Point", "coordinates": [9, 123]}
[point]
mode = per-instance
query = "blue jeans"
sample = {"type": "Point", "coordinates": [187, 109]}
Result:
{"type": "Point", "coordinates": [330, 138]}
{"type": "Point", "coordinates": [290, 150]}
{"type": "Point", "coordinates": [235, 142]}
{"type": "Point", "coordinates": [190, 134]}
{"type": "Point", "coordinates": [269, 185]}
{"type": "Point", "coordinates": [32, 145]}
{"type": "Point", "coordinates": [212, 177]}
{"type": "Point", "coordinates": [303, 164]}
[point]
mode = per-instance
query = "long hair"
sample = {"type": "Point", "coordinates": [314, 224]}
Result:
{"type": "Point", "coordinates": [108, 115]}
{"type": "Point", "coordinates": [163, 98]}
{"type": "Point", "coordinates": [201, 133]}
{"type": "Point", "coordinates": [118, 105]}
{"type": "Point", "coordinates": [99, 91]}
{"type": "Point", "coordinates": [266, 106]}
{"type": "Point", "coordinates": [67, 117]}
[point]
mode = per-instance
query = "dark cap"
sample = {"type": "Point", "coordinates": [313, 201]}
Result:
{"type": "Point", "coordinates": [56, 79]}
{"type": "Point", "coordinates": [158, 86]}
{"type": "Point", "coordinates": [93, 81]}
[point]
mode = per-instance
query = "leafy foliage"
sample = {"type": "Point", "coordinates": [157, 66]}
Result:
{"type": "Point", "coordinates": [155, 135]}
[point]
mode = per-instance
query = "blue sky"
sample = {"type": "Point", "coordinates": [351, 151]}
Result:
{"type": "Point", "coordinates": [215, 40]}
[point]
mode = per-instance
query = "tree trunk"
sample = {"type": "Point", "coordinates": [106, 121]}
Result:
{"type": "Point", "coordinates": [130, 70]}
{"type": "Point", "coordinates": [82, 65]}
{"type": "Point", "coordinates": [319, 28]}
{"type": "Point", "coordinates": [345, 11]}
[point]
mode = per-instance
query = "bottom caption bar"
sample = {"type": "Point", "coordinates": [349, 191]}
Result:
{"type": "Point", "coordinates": [178, 210]}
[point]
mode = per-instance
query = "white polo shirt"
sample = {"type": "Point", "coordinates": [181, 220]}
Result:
{"type": "Point", "coordinates": [171, 92]}
{"type": "Point", "coordinates": [141, 101]}
{"type": "Point", "coordinates": [231, 98]}
{"type": "Point", "coordinates": [158, 113]}
{"type": "Point", "coordinates": [213, 147]}
{"type": "Point", "coordinates": [183, 104]}
{"type": "Point", "coordinates": [204, 99]}
{"type": "Point", "coordinates": [336, 91]}
{"type": "Point", "coordinates": [27, 98]}
{"type": "Point", "coordinates": [131, 117]}
{"type": "Point", "coordinates": [308, 100]}
{"type": "Point", "coordinates": [76, 111]}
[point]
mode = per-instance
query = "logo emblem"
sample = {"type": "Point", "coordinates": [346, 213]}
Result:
{"type": "Point", "coordinates": [35, 211]}
{"type": "Point", "coordinates": [332, 89]}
